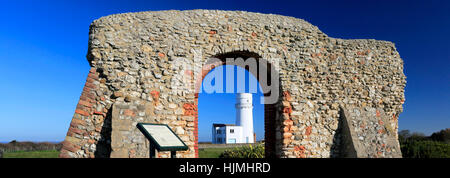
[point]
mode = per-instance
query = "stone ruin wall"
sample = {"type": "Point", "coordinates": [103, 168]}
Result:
{"type": "Point", "coordinates": [131, 57]}
{"type": "Point", "coordinates": [367, 133]}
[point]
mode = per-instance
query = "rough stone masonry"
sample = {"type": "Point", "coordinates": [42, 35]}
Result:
{"type": "Point", "coordinates": [338, 98]}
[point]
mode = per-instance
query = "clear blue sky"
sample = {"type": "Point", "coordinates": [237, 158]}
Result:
{"type": "Point", "coordinates": [43, 45]}
{"type": "Point", "coordinates": [220, 107]}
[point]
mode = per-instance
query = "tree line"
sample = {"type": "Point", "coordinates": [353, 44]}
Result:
{"type": "Point", "coordinates": [417, 145]}
{"type": "Point", "coordinates": [28, 146]}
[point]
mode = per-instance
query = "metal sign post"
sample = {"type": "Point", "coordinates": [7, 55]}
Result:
{"type": "Point", "coordinates": [152, 150]}
{"type": "Point", "coordinates": [162, 138]}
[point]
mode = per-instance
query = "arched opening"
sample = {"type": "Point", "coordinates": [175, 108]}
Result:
{"type": "Point", "coordinates": [265, 74]}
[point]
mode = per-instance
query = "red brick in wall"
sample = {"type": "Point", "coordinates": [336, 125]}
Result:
{"type": "Point", "coordinates": [85, 108]}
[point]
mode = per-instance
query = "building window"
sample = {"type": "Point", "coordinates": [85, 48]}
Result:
{"type": "Point", "coordinates": [218, 131]}
{"type": "Point", "coordinates": [231, 130]}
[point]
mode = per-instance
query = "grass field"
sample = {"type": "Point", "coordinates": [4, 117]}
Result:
{"type": "Point", "coordinates": [210, 152]}
{"type": "Point", "coordinates": [32, 154]}
{"type": "Point", "coordinates": [202, 153]}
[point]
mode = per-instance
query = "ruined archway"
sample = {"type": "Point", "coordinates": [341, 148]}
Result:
{"type": "Point", "coordinates": [334, 94]}
{"type": "Point", "coordinates": [260, 65]}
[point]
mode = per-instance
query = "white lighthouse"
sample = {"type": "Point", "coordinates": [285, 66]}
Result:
{"type": "Point", "coordinates": [244, 116]}
{"type": "Point", "coordinates": [242, 131]}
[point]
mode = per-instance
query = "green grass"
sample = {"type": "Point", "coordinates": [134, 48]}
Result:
{"type": "Point", "coordinates": [202, 153]}
{"type": "Point", "coordinates": [32, 154]}
{"type": "Point", "coordinates": [211, 152]}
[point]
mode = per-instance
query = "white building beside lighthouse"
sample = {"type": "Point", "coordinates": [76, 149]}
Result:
{"type": "Point", "coordinates": [242, 131]}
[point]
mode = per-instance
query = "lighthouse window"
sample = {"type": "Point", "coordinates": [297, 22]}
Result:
{"type": "Point", "coordinates": [231, 130]}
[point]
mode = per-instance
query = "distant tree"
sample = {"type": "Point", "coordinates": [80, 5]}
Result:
{"type": "Point", "coordinates": [403, 135]}
{"type": "Point", "coordinates": [417, 145]}
{"type": "Point", "coordinates": [442, 136]}
{"type": "Point", "coordinates": [13, 141]}
{"type": "Point", "coordinates": [418, 136]}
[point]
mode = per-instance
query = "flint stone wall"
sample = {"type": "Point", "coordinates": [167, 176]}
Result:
{"type": "Point", "coordinates": [132, 55]}
{"type": "Point", "coordinates": [366, 133]}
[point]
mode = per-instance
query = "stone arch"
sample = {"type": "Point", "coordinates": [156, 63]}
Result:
{"type": "Point", "coordinates": [270, 111]}
{"type": "Point", "coordinates": [131, 55]}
